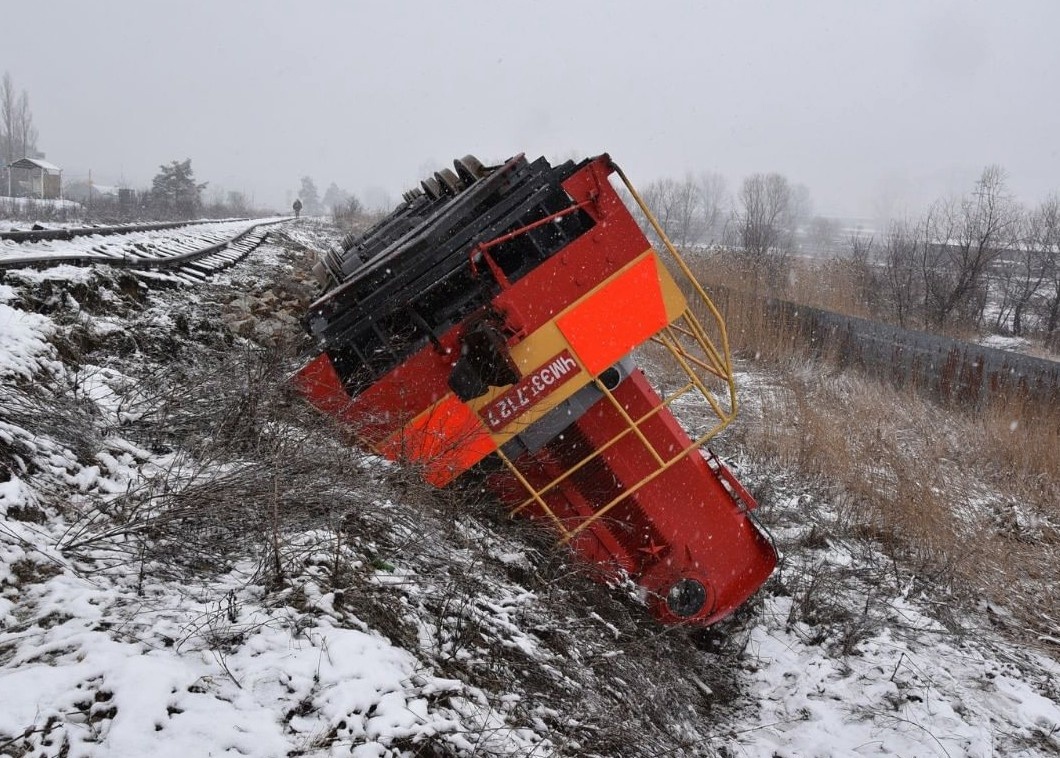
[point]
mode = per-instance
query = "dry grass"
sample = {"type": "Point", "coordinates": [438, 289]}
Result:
{"type": "Point", "coordinates": [838, 285]}
{"type": "Point", "coordinates": [968, 498]}
{"type": "Point", "coordinates": [971, 500]}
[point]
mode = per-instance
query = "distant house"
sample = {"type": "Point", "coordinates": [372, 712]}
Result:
{"type": "Point", "coordinates": [84, 191]}
{"type": "Point", "coordinates": [34, 177]}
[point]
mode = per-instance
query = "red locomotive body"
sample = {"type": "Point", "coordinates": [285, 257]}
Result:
{"type": "Point", "coordinates": [501, 313]}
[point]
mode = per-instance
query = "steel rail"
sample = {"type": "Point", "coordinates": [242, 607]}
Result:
{"type": "Point", "coordinates": [174, 260]}
{"type": "Point", "coordinates": [45, 235]}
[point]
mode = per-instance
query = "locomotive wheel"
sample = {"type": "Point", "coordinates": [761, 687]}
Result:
{"type": "Point", "coordinates": [449, 181]}
{"type": "Point", "coordinates": [432, 187]}
{"type": "Point", "coordinates": [469, 168]}
{"type": "Point", "coordinates": [412, 194]}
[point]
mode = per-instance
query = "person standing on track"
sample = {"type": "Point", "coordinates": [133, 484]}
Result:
{"type": "Point", "coordinates": [297, 205]}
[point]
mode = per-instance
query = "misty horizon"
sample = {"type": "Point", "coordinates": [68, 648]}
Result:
{"type": "Point", "coordinates": [876, 110]}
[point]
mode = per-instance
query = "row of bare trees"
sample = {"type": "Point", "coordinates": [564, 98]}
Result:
{"type": "Point", "coordinates": [979, 260]}
{"type": "Point", "coordinates": [764, 215]}
{"type": "Point", "coordinates": [760, 223]}
{"type": "Point", "coordinates": [691, 210]}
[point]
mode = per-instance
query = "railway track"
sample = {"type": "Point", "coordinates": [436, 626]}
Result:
{"type": "Point", "coordinates": [69, 233]}
{"type": "Point", "coordinates": [188, 251]}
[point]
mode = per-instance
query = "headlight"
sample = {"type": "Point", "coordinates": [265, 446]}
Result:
{"type": "Point", "coordinates": [686, 598]}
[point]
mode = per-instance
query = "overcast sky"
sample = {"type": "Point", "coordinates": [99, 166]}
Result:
{"type": "Point", "coordinates": [869, 104]}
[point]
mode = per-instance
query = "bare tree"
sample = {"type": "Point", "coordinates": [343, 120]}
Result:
{"type": "Point", "coordinates": [8, 103]}
{"type": "Point", "coordinates": [1046, 239]}
{"type": "Point", "coordinates": [27, 132]}
{"type": "Point", "coordinates": [18, 135]}
{"type": "Point", "coordinates": [822, 234]}
{"type": "Point", "coordinates": [1016, 276]}
{"type": "Point", "coordinates": [714, 200]}
{"type": "Point", "coordinates": [801, 210]}
{"type": "Point", "coordinates": [678, 207]}
{"type": "Point", "coordinates": [963, 239]}
{"type": "Point", "coordinates": [334, 198]}
{"type": "Point", "coordinates": [902, 252]}
{"type": "Point", "coordinates": [863, 272]}
{"type": "Point", "coordinates": [654, 197]}
{"type": "Point", "coordinates": [237, 203]}
{"type": "Point", "coordinates": [763, 226]}
{"type": "Point", "coordinates": [349, 213]}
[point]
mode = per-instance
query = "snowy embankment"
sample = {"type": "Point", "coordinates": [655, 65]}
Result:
{"type": "Point", "coordinates": [192, 563]}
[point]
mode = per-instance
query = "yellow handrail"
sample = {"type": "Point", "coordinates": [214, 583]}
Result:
{"type": "Point", "coordinates": [680, 339]}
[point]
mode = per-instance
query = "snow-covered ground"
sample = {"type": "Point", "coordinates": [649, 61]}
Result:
{"type": "Point", "coordinates": [1019, 345]}
{"type": "Point", "coordinates": [191, 563]}
{"type": "Point", "coordinates": [66, 210]}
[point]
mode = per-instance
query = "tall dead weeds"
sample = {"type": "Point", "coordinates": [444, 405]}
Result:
{"type": "Point", "coordinates": [970, 500]}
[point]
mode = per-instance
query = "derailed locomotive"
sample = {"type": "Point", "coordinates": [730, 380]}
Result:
{"type": "Point", "coordinates": [502, 320]}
